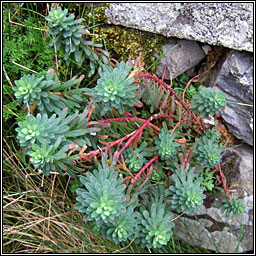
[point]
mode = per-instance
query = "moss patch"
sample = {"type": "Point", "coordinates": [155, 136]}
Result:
{"type": "Point", "coordinates": [227, 138]}
{"type": "Point", "coordinates": [122, 42]}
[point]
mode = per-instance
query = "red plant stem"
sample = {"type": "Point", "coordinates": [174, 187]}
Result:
{"type": "Point", "coordinates": [193, 78]}
{"type": "Point", "coordinates": [137, 132]}
{"type": "Point", "coordinates": [132, 136]}
{"type": "Point", "coordinates": [178, 124]}
{"type": "Point", "coordinates": [90, 110]}
{"type": "Point", "coordinates": [146, 179]}
{"type": "Point", "coordinates": [118, 119]}
{"type": "Point", "coordinates": [223, 182]}
{"type": "Point", "coordinates": [111, 144]}
{"type": "Point", "coordinates": [187, 159]}
{"type": "Point", "coordinates": [143, 169]}
{"type": "Point", "coordinates": [167, 87]}
{"type": "Point", "coordinates": [202, 125]}
{"type": "Point", "coordinates": [163, 73]}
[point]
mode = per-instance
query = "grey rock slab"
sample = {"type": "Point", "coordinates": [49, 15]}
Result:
{"type": "Point", "coordinates": [237, 164]}
{"type": "Point", "coordinates": [180, 55]}
{"type": "Point", "coordinates": [225, 24]}
{"type": "Point", "coordinates": [196, 232]}
{"type": "Point", "coordinates": [208, 227]}
{"type": "Point", "coordinates": [235, 79]}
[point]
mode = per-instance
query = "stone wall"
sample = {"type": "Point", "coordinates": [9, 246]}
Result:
{"type": "Point", "coordinates": [225, 24]}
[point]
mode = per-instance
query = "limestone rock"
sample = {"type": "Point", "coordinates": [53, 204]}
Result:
{"type": "Point", "coordinates": [196, 233]}
{"type": "Point", "coordinates": [208, 227]}
{"type": "Point", "coordinates": [235, 79]}
{"type": "Point", "coordinates": [181, 55]}
{"type": "Point", "coordinates": [226, 24]}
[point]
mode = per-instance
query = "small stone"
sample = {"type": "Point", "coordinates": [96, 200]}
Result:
{"type": "Point", "coordinates": [209, 120]}
{"type": "Point", "coordinates": [206, 48]}
{"type": "Point", "coordinates": [179, 58]}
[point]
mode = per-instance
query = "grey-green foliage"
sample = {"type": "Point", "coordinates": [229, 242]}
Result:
{"type": "Point", "coordinates": [136, 159]}
{"type": "Point", "coordinates": [212, 134]}
{"type": "Point", "coordinates": [233, 205]}
{"type": "Point", "coordinates": [73, 128]}
{"type": "Point", "coordinates": [49, 93]}
{"type": "Point", "coordinates": [68, 34]}
{"type": "Point", "coordinates": [28, 89]}
{"type": "Point", "coordinates": [81, 132]}
{"type": "Point", "coordinates": [50, 158]}
{"type": "Point", "coordinates": [114, 89]}
{"type": "Point", "coordinates": [208, 102]}
{"type": "Point", "coordinates": [208, 181]}
{"type": "Point", "coordinates": [48, 139]}
{"type": "Point", "coordinates": [186, 190]}
{"type": "Point", "coordinates": [40, 129]}
{"type": "Point", "coordinates": [207, 151]}
{"type": "Point", "coordinates": [165, 146]}
{"type": "Point", "coordinates": [154, 221]}
{"type": "Point", "coordinates": [123, 227]}
{"type": "Point", "coordinates": [103, 198]}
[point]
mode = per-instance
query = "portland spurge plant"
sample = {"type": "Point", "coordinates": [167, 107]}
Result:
{"type": "Point", "coordinates": [28, 89]}
{"type": "Point", "coordinates": [165, 145]}
{"type": "Point", "coordinates": [154, 221]}
{"type": "Point", "coordinates": [47, 158]}
{"type": "Point", "coordinates": [115, 89]}
{"type": "Point", "coordinates": [40, 129]}
{"type": "Point", "coordinates": [48, 93]}
{"type": "Point", "coordinates": [233, 205]}
{"type": "Point", "coordinates": [103, 198]}
{"type": "Point", "coordinates": [208, 102]}
{"type": "Point", "coordinates": [208, 152]}
{"type": "Point", "coordinates": [68, 35]}
{"type": "Point", "coordinates": [186, 190]}
{"type": "Point", "coordinates": [123, 227]}
{"type": "Point", "coordinates": [66, 30]}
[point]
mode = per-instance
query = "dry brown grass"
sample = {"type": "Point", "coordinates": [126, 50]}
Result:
{"type": "Point", "coordinates": [39, 214]}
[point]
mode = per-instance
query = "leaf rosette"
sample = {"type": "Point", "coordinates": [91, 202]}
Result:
{"type": "Point", "coordinates": [187, 192]}
{"type": "Point", "coordinates": [165, 145]}
{"type": "Point", "coordinates": [122, 228]}
{"type": "Point", "coordinates": [104, 198]}
{"type": "Point", "coordinates": [50, 158]}
{"type": "Point", "coordinates": [114, 89]}
{"type": "Point", "coordinates": [208, 102]}
{"type": "Point", "coordinates": [208, 152]}
{"type": "Point", "coordinates": [154, 226]}
{"type": "Point", "coordinates": [233, 205]}
{"type": "Point", "coordinates": [40, 129]}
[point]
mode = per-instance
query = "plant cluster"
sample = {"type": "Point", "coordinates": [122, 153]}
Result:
{"type": "Point", "coordinates": [68, 35]}
{"type": "Point", "coordinates": [208, 102]}
{"type": "Point", "coordinates": [159, 168]}
{"type": "Point", "coordinates": [208, 151]}
{"type": "Point", "coordinates": [104, 202]}
{"type": "Point", "coordinates": [187, 191]}
{"type": "Point", "coordinates": [154, 220]}
{"type": "Point", "coordinates": [165, 146]}
{"type": "Point", "coordinates": [115, 89]}
{"type": "Point", "coordinates": [48, 93]}
{"type": "Point", "coordinates": [47, 140]}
